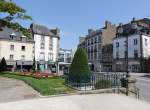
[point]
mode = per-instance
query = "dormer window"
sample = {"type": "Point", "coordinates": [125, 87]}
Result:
{"type": "Point", "coordinates": [12, 36]}
{"type": "Point", "coordinates": [23, 38]}
{"type": "Point", "coordinates": [120, 29]}
{"type": "Point", "coordinates": [133, 24]}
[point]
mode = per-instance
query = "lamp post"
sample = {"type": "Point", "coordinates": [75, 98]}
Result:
{"type": "Point", "coordinates": [21, 64]}
{"type": "Point", "coordinates": [57, 66]}
{"type": "Point", "coordinates": [127, 71]}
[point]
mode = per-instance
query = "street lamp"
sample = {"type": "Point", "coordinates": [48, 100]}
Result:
{"type": "Point", "coordinates": [127, 71]}
{"type": "Point", "coordinates": [21, 64]}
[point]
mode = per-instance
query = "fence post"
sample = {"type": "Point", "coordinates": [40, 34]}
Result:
{"type": "Point", "coordinates": [131, 85]}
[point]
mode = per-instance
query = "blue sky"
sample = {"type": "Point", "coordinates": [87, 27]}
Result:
{"type": "Point", "coordinates": [75, 17]}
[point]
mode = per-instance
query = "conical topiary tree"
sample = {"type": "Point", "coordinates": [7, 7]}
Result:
{"type": "Point", "coordinates": [79, 71]}
{"type": "Point", "coordinates": [3, 65]}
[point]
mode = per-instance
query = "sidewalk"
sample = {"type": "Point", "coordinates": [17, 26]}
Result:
{"type": "Point", "coordinates": [79, 102]}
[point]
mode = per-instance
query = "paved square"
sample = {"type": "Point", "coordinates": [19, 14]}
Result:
{"type": "Point", "coordinates": [13, 90]}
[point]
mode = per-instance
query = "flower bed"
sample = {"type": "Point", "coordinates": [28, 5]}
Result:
{"type": "Point", "coordinates": [37, 75]}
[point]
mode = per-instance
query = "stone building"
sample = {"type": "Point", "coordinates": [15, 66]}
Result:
{"type": "Point", "coordinates": [64, 60]}
{"type": "Point", "coordinates": [46, 46]}
{"type": "Point", "coordinates": [95, 43]}
{"type": "Point", "coordinates": [17, 49]}
{"type": "Point", "coordinates": [131, 45]}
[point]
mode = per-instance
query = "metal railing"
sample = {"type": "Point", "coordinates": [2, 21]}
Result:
{"type": "Point", "coordinates": [99, 81]}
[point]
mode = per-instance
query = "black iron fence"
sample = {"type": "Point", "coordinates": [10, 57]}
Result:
{"type": "Point", "coordinates": [99, 81]}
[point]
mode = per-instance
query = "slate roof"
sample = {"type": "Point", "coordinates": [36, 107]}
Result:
{"type": "Point", "coordinates": [42, 30]}
{"type": "Point", "coordinates": [6, 32]}
{"type": "Point", "coordinates": [141, 23]}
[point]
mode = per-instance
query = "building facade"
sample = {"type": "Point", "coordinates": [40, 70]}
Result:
{"type": "Point", "coordinates": [46, 46]}
{"type": "Point", "coordinates": [97, 44]}
{"type": "Point", "coordinates": [16, 49]}
{"type": "Point", "coordinates": [64, 60]}
{"type": "Point", "coordinates": [82, 43]}
{"type": "Point", "coordinates": [132, 45]}
{"type": "Point", "coordinates": [65, 55]}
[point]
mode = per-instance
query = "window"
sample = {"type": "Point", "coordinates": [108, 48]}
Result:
{"type": "Point", "coordinates": [22, 57]}
{"type": "Point", "coordinates": [96, 39]}
{"type": "Point", "coordinates": [12, 36]}
{"type": "Point", "coordinates": [117, 55]}
{"type": "Point", "coordinates": [42, 42]}
{"type": "Point", "coordinates": [125, 54]}
{"type": "Point", "coordinates": [99, 39]}
{"type": "Point", "coordinates": [95, 48]}
{"type": "Point", "coordinates": [11, 57]}
{"type": "Point", "coordinates": [42, 56]}
{"type": "Point", "coordinates": [50, 43]}
{"type": "Point", "coordinates": [42, 45]}
{"type": "Point", "coordinates": [135, 53]}
{"type": "Point", "coordinates": [50, 56]}
{"type": "Point", "coordinates": [91, 41]}
{"type": "Point", "coordinates": [91, 56]}
{"type": "Point", "coordinates": [68, 55]}
{"type": "Point", "coordinates": [125, 43]}
{"type": "Point", "coordinates": [117, 44]}
{"type": "Point", "coordinates": [11, 47]}
{"type": "Point", "coordinates": [146, 42]}
{"type": "Point", "coordinates": [42, 38]}
{"type": "Point", "coordinates": [61, 57]}
{"type": "Point", "coordinates": [95, 56]}
{"type": "Point", "coordinates": [135, 41]}
{"type": "Point", "coordinates": [23, 48]}
{"type": "Point", "coordinates": [100, 56]}
{"type": "Point", "coordinates": [99, 47]}
{"type": "Point", "coordinates": [91, 49]}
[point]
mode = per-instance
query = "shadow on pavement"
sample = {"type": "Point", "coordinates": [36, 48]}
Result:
{"type": "Point", "coordinates": [147, 76]}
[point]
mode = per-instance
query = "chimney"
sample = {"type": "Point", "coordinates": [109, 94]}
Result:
{"type": "Point", "coordinates": [133, 19]}
{"type": "Point", "coordinates": [107, 24]}
{"type": "Point", "coordinates": [90, 31]}
{"type": "Point", "coordinates": [56, 31]}
{"type": "Point", "coordinates": [120, 24]}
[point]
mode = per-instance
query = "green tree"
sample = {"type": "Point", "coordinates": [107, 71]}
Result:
{"type": "Point", "coordinates": [10, 13]}
{"type": "Point", "coordinates": [3, 65]}
{"type": "Point", "coordinates": [79, 70]}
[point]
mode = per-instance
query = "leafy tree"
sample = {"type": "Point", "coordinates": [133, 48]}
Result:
{"type": "Point", "coordinates": [79, 70]}
{"type": "Point", "coordinates": [3, 65]}
{"type": "Point", "coordinates": [10, 13]}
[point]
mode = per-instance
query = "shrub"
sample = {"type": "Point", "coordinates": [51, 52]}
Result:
{"type": "Point", "coordinates": [3, 65]}
{"type": "Point", "coordinates": [123, 82]}
{"type": "Point", "coordinates": [102, 84]}
{"type": "Point", "coordinates": [79, 71]}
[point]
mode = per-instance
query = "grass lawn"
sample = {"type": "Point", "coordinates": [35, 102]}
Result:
{"type": "Point", "coordinates": [49, 86]}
